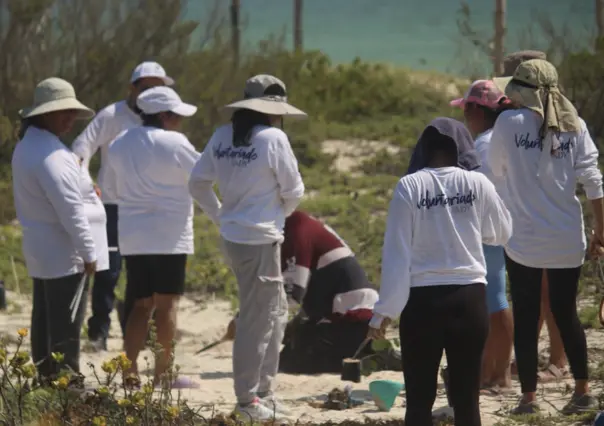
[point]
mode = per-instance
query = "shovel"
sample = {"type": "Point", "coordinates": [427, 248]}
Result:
{"type": "Point", "coordinates": [351, 367]}
{"type": "Point", "coordinates": [229, 335]}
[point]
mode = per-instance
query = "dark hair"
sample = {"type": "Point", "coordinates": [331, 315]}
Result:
{"type": "Point", "coordinates": [27, 122]}
{"type": "Point", "coordinates": [437, 144]}
{"type": "Point", "coordinates": [244, 121]}
{"type": "Point", "coordinates": [154, 120]}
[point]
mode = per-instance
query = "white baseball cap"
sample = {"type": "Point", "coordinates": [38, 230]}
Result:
{"type": "Point", "coordinates": [163, 98]}
{"type": "Point", "coordinates": [149, 70]}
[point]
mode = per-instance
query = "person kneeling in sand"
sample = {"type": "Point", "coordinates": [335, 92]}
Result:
{"type": "Point", "coordinates": [324, 277]}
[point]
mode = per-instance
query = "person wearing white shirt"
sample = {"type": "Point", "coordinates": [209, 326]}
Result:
{"type": "Point", "coordinates": [542, 150]}
{"type": "Point", "coordinates": [58, 244]}
{"type": "Point", "coordinates": [434, 272]}
{"type": "Point", "coordinates": [260, 185]}
{"type": "Point", "coordinates": [97, 218]}
{"type": "Point", "coordinates": [98, 135]}
{"type": "Point", "coordinates": [482, 104]}
{"type": "Point", "coordinates": [150, 166]}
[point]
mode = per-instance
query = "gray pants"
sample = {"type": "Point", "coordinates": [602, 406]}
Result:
{"type": "Point", "coordinates": [262, 317]}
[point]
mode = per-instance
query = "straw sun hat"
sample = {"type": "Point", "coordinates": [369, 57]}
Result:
{"type": "Point", "coordinates": [55, 94]}
{"type": "Point", "coordinates": [266, 94]}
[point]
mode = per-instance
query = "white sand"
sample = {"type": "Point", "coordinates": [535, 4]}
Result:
{"type": "Point", "coordinates": [202, 323]}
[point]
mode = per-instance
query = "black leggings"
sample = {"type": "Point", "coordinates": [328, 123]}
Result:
{"type": "Point", "coordinates": [525, 288]}
{"type": "Point", "coordinates": [453, 318]}
{"type": "Point", "coordinates": [51, 326]}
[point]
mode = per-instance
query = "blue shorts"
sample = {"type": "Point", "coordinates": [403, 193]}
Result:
{"type": "Point", "coordinates": [496, 295]}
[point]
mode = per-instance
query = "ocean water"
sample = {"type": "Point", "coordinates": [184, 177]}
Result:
{"type": "Point", "coordinates": [420, 34]}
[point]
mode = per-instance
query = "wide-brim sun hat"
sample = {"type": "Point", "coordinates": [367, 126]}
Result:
{"type": "Point", "coordinates": [512, 61]}
{"type": "Point", "coordinates": [163, 99]}
{"type": "Point", "coordinates": [55, 94]}
{"type": "Point", "coordinates": [268, 95]}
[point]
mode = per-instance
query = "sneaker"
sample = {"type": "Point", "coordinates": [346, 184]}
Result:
{"type": "Point", "coordinates": [525, 408]}
{"type": "Point", "coordinates": [97, 345]}
{"type": "Point", "coordinates": [579, 404]}
{"type": "Point", "coordinates": [255, 412]}
{"type": "Point", "coordinates": [273, 404]}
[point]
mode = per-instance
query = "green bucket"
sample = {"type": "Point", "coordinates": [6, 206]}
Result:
{"type": "Point", "coordinates": [384, 392]}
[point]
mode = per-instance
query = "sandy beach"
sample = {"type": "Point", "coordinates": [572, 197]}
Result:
{"type": "Point", "coordinates": [203, 322]}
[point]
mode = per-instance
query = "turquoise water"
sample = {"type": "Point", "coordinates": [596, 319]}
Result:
{"type": "Point", "coordinates": [420, 34]}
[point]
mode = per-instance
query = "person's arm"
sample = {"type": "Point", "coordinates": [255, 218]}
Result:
{"type": "Point", "coordinates": [91, 139]}
{"type": "Point", "coordinates": [60, 177]}
{"type": "Point", "coordinates": [496, 223]}
{"type": "Point", "coordinates": [588, 174]}
{"type": "Point", "coordinates": [186, 155]}
{"type": "Point", "coordinates": [285, 166]}
{"type": "Point", "coordinates": [297, 254]}
{"type": "Point", "coordinates": [396, 258]}
{"type": "Point", "coordinates": [497, 155]}
{"type": "Point", "coordinates": [201, 185]}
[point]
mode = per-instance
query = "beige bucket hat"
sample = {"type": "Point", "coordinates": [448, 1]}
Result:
{"type": "Point", "coordinates": [55, 94]}
{"type": "Point", "coordinates": [266, 94]}
{"type": "Point", "coordinates": [534, 85]}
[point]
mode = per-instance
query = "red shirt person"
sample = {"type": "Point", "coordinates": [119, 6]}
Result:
{"type": "Point", "coordinates": [323, 276]}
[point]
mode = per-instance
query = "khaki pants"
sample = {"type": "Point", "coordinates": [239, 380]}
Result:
{"type": "Point", "coordinates": [262, 317]}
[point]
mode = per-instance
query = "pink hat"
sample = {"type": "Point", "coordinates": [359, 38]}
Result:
{"type": "Point", "coordinates": [481, 92]}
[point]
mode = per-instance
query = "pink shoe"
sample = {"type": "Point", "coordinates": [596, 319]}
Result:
{"type": "Point", "coordinates": [183, 382]}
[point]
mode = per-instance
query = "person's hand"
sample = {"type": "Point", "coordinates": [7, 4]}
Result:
{"type": "Point", "coordinates": [596, 245]}
{"type": "Point", "coordinates": [90, 268]}
{"type": "Point", "coordinates": [97, 190]}
{"type": "Point", "coordinates": [378, 333]}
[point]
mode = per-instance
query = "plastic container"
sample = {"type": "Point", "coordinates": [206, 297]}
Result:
{"type": "Point", "coordinates": [384, 393]}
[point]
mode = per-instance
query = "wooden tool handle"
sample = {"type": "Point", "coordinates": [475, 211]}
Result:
{"type": "Point", "coordinates": [210, 346]}
{"type": "Point", "coordinates": [363, 344]}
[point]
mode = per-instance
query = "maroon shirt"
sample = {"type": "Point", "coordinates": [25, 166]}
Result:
{"type": "Point", "coordinates": [321, 272]}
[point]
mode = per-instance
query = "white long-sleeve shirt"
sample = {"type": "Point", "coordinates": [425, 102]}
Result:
{"type": "Point", "coordinates": [48, 200]}
{"type": "Point", "coordinates": [97, 219]}
{"type": "Point", "coordinates": [151, 169]}
{"type": "Point", "coordinates": [437, 222]}
{"type": "Point", "coordinates": [541, 189]}
{"type": "Point", "coordinates": [99, 134]}
{"type": "Point", "coordinates": [260, 184]}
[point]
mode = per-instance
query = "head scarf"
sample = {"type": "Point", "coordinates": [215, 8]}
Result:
{"type": "Point", "coordinates": [467, 157]}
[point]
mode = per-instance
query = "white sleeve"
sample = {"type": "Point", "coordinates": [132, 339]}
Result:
{"type": "Point", "coordinates": [201, 184]}
{"type": "Point", "coordinates": [60, 177]}
{"type": "Point", "coordinates": [91, 139]}
{"type": "Point", "coordinates": [285, 166]}
{"type": "Point", "coordinates": [496, 223]}
{"type": "Point", "coordinates": [396, 257]}
{"type": "Point", "coordinates": [497, 151]}
{"type": "Point", "coordinates": [586, 165]}
{"type": "Point", "coordinates": [187, 156]}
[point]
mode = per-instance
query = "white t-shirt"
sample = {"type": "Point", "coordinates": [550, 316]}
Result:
{"type": "Point", "coordinates": [97, 219]}
{"type": "Point", "coordinates": [437, 222]}
{"type": "Point", "coordinates": [100, 133]}
{"type": "Point", "coordinates": [541, 189]}
{"type": "Point", "coordinates": [47, 189]}
{"type": "Point", "coordinates": [260, 184]}
{"type": "Point", "coordinates": [151, 169]}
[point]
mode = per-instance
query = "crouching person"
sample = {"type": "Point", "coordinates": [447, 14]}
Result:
{"type": "Point", "coordinates": [325, 278]}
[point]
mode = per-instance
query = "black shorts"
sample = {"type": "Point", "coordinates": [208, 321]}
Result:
{"type": "Point", "coordinates": [149, 274]}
